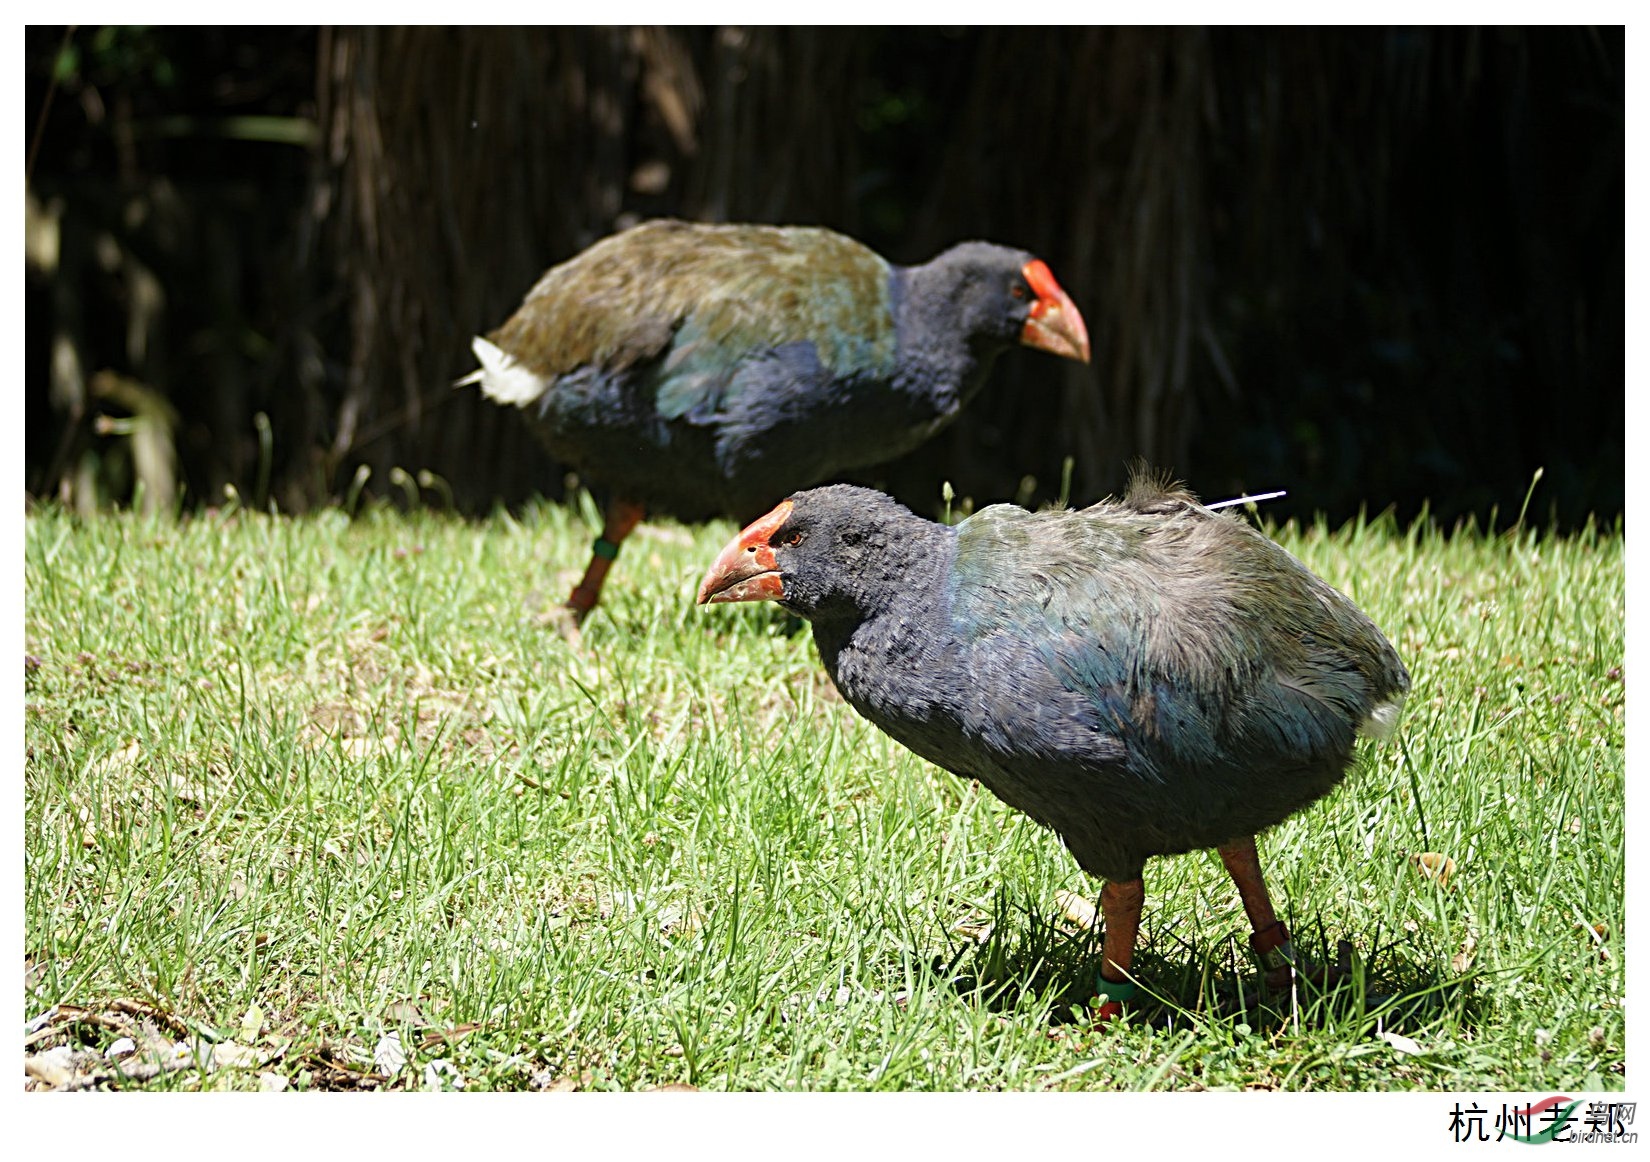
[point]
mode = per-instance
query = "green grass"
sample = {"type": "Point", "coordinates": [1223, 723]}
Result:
{"type": "Point", "coordinates": [300, 783]}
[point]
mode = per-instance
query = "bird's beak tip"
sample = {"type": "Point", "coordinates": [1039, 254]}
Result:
{"type": "Point", "coordinates": [1055, 325]}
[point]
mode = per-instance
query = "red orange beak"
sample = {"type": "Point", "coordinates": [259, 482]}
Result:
{"type": "Point", "coordinates": [1055, 324]}
{"type": "Point", "coordinates": [745, 570]}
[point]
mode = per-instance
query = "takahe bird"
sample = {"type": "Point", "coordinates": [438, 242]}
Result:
{"type": "Point", "coordinates": [711, 370]}
{"type": "Point", "coordinates": [1143, 677]}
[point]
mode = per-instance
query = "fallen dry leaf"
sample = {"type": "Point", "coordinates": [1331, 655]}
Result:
{"type": "Point", "coordinates": [1435, 865]}
{"type": "Point", "coordinates": [441, 1036]}
{"type": "Point", "coordinates": [1462, 960]}
{"type": "Point", "coordinates": [252, 1024]}
{"type": "Point", "coordinates": [438, 1070]}
{"type": "Point", "coordinates": [1078, 909]}
{"type": "Point", "coordinates": [229, 1055]}
{"type": "Point", "coordinates": [1403, 1045]}
{"type": "Point", "coordinates": [180, 788]}
{"type": "Point", "coordinates": [123, 759]}
{"type": "Point", "coordinates": [1598, 934]}
{"type": "Point", "coordinates": [543, 1081]}
{"type": "Point", "coordinates": [406, 1012]}
{"type": "Point", "coordinates": [55, 1067]}
{"type": "Point", "coordinates": [143, 1009]}
{"type": "Point", "coordinates": [153, 1041]}
{"type": "Point", "coordinates": [388, 1056]}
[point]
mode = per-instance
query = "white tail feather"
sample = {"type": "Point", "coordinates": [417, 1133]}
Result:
{"type": "Point", "coordinates": [503, 379]}
{"type": "Point", "coordinates": [1383, 719]}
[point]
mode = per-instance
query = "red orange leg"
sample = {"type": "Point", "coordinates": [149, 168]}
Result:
{"type": "Point", "coordinates": [1120, 904]}
{"type": "Point", "coordinates": [1269, 939]}
{"type": "Point", "coordinates": [621, 517]}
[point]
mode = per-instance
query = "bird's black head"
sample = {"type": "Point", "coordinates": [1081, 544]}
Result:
{"type": "Point", "coordinates": [827, 553]}
{"type": "Point", "coordinates": [1001, 296]}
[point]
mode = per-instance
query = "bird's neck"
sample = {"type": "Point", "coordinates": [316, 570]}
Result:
{"type": "Point", "coordinates": [874, 653]}
{"type": "Point", "coordinates": [938, 363]}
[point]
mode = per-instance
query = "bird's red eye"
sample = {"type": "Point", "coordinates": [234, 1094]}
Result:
{"type": "Point", "coordinates": [1017, 289]}
{"type": "Point", "coordinates": [794, 539]}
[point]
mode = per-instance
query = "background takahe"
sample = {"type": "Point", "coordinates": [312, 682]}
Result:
{"type": "Point", "coordinates": [710, 370]}
{"type": "Point", "coordinates": [1144, 677]}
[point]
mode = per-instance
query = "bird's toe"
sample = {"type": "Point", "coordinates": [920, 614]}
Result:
{"type": "Point", "coordinates": [1280, 976]}
{"type": "Point", "coordinates": [566, 620]}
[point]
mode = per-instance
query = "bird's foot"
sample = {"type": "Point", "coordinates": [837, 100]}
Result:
{"type": "Point", "coordinates": [565, 619]}
{"type": "Point", "coordinates": [1107, 1012]}
{"type": "Point", "coordinates": [1281, 968]}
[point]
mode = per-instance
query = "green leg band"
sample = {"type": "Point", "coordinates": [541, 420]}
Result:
{"type": "Point", "coordinates": [1114, 990]}
{"type": "Point", "coordinates": [605, 548]}
{"type": "Point", "coordinates": [1281, 956]}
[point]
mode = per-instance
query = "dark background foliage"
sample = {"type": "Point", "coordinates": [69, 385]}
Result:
{"type": "Point", "coordinates": [1378, 267]}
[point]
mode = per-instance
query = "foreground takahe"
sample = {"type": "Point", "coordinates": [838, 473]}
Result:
{"type": "Point", "coordinates": [710, 370]}
{"type": "Point", "coordinates": [1143, 677]}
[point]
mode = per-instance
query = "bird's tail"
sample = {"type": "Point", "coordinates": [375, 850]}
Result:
{"type": "Point", "coordinates": [502, 377]}
{"type": "Point", "coordinates": [1382, 720]}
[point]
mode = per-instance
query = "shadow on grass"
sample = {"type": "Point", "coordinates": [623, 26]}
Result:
{"type": "Point", "coordinates": [1032, 952]}
{"type": "Point", "coordinates": [761, 617]}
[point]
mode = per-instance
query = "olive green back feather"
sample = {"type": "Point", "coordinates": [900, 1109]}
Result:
{"type": "Point", "coordinates": [729, 290]}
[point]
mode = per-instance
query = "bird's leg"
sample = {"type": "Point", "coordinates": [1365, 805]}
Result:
{"type": "Point", "coordinates": [1120, 904]}
{"type": "Point", "coordinates": [1268, 939]}
{"type": "Point", "coordinates": [621, 517]}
